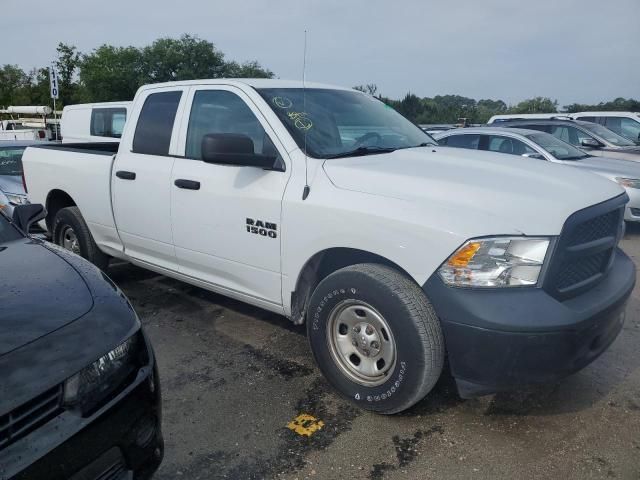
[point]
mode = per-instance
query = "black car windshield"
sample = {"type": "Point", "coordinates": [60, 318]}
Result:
{"type": "Point", "coordinates": [340, 123]}
{"type": "Point", "coordinates": [608, 136]}
{"type": "Point", "coordinates": [11, 160]}
{"type": "Point", "coordinates": [556, 147]}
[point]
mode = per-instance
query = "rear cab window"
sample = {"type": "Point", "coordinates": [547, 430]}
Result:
{"type": "Point", "coordinates": [155, 123]}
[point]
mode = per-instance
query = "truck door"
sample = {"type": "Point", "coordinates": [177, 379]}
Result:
{"type": "Point", "coordinates": [226, 218]}
{"type": "Point", "coordinates": [141, 192]}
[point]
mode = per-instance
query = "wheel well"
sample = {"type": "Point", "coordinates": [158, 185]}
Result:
{"type": "Point", "coordinates": [323, 264]}
{"type": "Point", "coordinates": [56, 200]}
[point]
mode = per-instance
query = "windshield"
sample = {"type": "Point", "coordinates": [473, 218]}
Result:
{"type": "Point", "coordinates": [11, 160]}
{"type": "Point", "coordinates": [609, 136]}
{"type": "Point", "coordinates": [333, 123]}
{"type": "Point", "coordinates": [556, 147]}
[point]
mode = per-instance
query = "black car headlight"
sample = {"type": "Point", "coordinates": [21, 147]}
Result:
{"type": "Point", "coordinates": [94, 385]}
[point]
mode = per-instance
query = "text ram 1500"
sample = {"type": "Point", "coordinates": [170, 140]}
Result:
{"type": "Point", "coordinates": [325, 205]}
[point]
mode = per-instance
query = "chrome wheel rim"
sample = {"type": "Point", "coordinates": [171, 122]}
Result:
{"type": "Point", "coordinates": [69, 240]}
{"type": "Point", "coordinates": [361, 343]}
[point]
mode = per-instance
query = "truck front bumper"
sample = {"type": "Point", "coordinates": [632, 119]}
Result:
{"type": "Point", "coordinates": [499, 339]}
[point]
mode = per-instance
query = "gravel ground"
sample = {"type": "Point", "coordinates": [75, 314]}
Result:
{"type": "Point", "coordinates": [234, 376]}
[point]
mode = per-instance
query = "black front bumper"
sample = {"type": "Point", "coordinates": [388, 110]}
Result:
{"type": "Point", "coordinates": [498, 339]}
{"type": "Point", "coordinates": [123, 440]}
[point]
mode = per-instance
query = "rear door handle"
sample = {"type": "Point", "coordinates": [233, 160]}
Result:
{"type": "Point", "coordinates": [124, 175]}
{"type": "Point", "coordinates": [187, 184]}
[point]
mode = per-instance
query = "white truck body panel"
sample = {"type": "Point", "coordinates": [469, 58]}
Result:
{"type": "Point", "coordinates": [413, 207]}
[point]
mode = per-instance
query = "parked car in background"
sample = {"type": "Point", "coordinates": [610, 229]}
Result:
{"type": "Point", "coordinates": [590, 137]}
{"type": "Point", "coordinates": [626, 124]}
{"type": "Point", "coordinates": [391, 249]}
{"type": "Point", "coordinates": [94, 122]}
{"type": "Point", "coordinates": [432, 129]}
{"type": "Point", "coordinates": [522, 116]}
{"type": "Point", "coordinates": [79, 387]}
{"type": "Point", "coordinates": [544, 146]}
{"type": "Point", "coordinates": [12, 189]}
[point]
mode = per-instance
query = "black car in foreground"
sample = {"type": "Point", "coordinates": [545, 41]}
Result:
{"type": "Point", "coordinates": [79, 390]}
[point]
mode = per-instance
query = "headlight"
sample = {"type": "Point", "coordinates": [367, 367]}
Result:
{"type": "Point", "coordinates": [496, 262]}
{"type": "Point", "coordinates": [16, 199]}
{"type": "Point", "coordinates": [628, 182]}
{"type": "Point", "coordinates": [92, 386]}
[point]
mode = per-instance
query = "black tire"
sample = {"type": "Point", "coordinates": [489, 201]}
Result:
{"type": "Point", "coordinates": [419, 344]}
{"type": "Point", "coordinates": [71, 218]}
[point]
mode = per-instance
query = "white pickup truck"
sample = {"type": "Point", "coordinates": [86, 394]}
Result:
{"type": "Point", "coordinates": [325, 205]}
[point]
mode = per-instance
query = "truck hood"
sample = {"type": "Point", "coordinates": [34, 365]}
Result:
{"type": "Point", "coordinates": [39, 293]}
{"type": "Point", "coordinates": [473, 192]}
{"type": "Point", "coordinates": [610, 167]}
{"type": "Point", "coordinates": [11, 184]}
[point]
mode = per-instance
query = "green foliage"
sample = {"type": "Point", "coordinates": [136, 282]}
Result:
{"type": "Point", "coordinates": [535, 105]}
{"type": "Point", "coordinates": [618, 105]}
{"type": "Point", "coordinates": [454, 108]}
{"type": "Point", "coordinates": [110, 73]}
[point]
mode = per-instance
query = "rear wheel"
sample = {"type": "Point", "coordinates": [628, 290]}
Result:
{"type": "Point", "coordinates": [376, 337]}
{"type": "Point", "coordinates": [70, 231]}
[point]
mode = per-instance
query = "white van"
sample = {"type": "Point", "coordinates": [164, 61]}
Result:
{"type": "Point", "coordinates": [626, 124]}
{"type": "Point", "coordinates": [94, 122]}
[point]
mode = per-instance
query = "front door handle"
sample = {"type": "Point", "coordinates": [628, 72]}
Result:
{"type": "Point", "coordinates": [124, 175]}
{"type": "Point", "coordinates": [187, 184]}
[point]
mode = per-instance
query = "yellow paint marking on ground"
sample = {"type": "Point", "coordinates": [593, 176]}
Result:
{"type": "Point", "coordinates": [305, 424]}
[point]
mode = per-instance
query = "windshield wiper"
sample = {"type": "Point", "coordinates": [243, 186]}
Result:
{"type": "Point", "coordinates": [361, 151]}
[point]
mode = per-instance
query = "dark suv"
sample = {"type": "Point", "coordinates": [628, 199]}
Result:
{"type": "Point", "coordinates": [591, 137]}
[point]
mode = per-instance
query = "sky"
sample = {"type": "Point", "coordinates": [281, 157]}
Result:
{"type": "Point", "coordinates": [583, 51]}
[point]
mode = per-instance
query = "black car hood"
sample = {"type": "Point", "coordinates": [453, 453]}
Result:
{"type": "Point", "coordinates": [40, 293]}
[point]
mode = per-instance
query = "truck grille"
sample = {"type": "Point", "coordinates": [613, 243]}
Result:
{"type": "Point", "coordinates": [585, 248]}
{"type": "Point", "coordinates": [29, 416]}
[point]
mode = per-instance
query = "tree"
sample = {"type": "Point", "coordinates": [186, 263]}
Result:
{"type": "Point", "coordinates": [14, 84]}
{"type": "Point", "coordinates": [67, 64]}
{"type": "Point", "coordinates": [535, 105]}
{"type": "Point", "coordinates": [111, 74]}
{"type": "Point", "coordinates": [186, 58]}
{"type": "Point", "coordinates": [246, 70]}
{"type": "Point", "coordinates": [370, 88]}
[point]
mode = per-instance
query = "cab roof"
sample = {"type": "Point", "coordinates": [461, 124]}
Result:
{"type": "Point", "coordinates": [251, 82]}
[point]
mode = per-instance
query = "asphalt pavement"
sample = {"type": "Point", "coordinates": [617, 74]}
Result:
{"type": "Point", "coordinates": [242, 399]}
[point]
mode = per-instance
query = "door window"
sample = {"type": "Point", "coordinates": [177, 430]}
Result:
{"type": "Point", "coordinates": [569, 134]}
{"type": "Point", "coordinates": [512, 146]}
{"type": "Point", "coordinates": [220, 111]}
{"type": "Point", "coordinates": [155, 124]}
{"type": "Point", "coordinates": [628, 128]}
{"type": "Point", "coordinates": [464, 141]}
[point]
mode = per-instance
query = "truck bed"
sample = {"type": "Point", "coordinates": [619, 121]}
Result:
{"type": "Point", "coordinates": [75, 173]}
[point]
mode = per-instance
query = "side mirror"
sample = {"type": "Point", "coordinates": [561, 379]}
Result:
{"type": "Point", "coordinates": [26, 215]}
{"type": "Point", "coordinates": [537, 156]}
{"type": "Point", "coordinates": [233, 149]}
{"type": "Point", "coordinates": [590, 142]}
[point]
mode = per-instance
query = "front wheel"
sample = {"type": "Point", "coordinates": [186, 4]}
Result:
{"type": "Point", "coordinates": [71, 232]}
{"type": "Point", "coordinates": [376, 337]}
